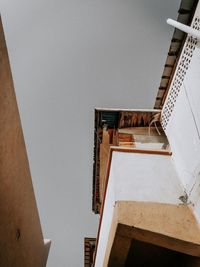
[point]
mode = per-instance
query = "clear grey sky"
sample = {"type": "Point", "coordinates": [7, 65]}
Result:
{"type": "Point", "coordinates": [68, 56]}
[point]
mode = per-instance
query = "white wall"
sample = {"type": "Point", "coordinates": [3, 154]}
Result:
{"type": "Point", "coordinates": [145, 177]}
{"type": "Point", "coordinates": [68, 56]}
{"type": "Point", "coordinates": [183, 130]}
{"type": "Point", "coordinates": [106, 219]}
{"type": "Point", "coordinates": [137, 177]}
{"type": "Point", "coordinates": [184, 141]}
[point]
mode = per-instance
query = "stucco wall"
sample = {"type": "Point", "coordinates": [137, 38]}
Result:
{"type": "Point", "coordinates": [183, 128]}
{"type": "Point", "coordinates": [137, 177]}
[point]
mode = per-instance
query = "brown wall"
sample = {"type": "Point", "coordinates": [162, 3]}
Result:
{"type": "Point", "coordinates": [21, 240]}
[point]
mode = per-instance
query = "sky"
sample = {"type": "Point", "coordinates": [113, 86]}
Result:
{"type": "Point", "coordinates": [67, 57]}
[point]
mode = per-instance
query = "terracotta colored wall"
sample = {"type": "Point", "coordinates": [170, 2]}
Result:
{"type": "Point", "coordinates": [21, 242]}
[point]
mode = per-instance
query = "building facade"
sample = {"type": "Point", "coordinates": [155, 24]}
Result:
{"type": "Point", "coordinates": [21, 240]}
{"type": "Point", "coordinates": [146, 175]}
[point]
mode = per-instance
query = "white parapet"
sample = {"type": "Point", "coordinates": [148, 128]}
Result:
{"type": "Point", "coordinates": [181, 114]}
{"type": "Point", "coordinates": [137, 177]}
{"type": "Point", "coordinates": [47, 245]}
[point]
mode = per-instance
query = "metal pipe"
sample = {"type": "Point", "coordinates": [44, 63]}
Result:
{"type": "Point", "coordinates": [184, 28]}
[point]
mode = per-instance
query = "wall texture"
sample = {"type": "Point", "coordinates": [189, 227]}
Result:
{"type": "Point", "coordinates": [183, 128]}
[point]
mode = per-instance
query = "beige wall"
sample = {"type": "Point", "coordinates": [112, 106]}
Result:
{"type": "Point", "coordinates": [21, 239]}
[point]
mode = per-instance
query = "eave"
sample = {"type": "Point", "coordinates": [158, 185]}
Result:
{"type": "Point", "coordinates": [185, 15]}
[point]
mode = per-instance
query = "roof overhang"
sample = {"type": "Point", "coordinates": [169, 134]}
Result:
{"type": "Point", "coordinates": [185, 16]}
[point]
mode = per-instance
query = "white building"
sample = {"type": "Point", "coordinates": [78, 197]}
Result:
{"type": "Point", "coordinates": [148, 192]}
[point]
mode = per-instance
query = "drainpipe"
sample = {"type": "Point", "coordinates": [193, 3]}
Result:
{"type": "Point", "coordinates": [184, 28]}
